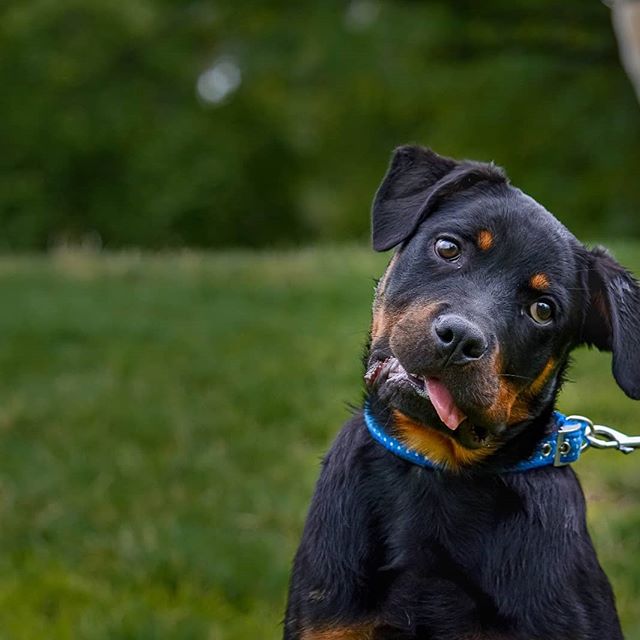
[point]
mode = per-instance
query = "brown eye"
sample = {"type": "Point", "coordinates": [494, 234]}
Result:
{"type": "Point", "coordinates": [541, 311]}
{"type": "Point", "coordinates": [447, 249]}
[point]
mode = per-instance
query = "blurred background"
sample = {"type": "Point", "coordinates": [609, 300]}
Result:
{"type": "Point", "coordinates": [186, 281]}
{"type": "Point", "coordinates": [217, 123]}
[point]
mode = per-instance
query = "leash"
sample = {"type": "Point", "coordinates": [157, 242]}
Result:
{"type": "Point", "coordinates": [571, 437]}
{"type": "Point", "coordinates": [613, 439]}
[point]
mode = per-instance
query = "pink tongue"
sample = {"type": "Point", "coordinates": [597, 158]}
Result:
{"type": "Point", "coordinates": [443, 403]}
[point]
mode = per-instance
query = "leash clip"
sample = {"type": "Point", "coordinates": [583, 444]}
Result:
{"type": "Point", "coordinates": [599, 436]}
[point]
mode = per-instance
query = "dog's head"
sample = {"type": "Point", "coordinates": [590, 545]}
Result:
{"type": "Point", "coordinates": [485, 297]}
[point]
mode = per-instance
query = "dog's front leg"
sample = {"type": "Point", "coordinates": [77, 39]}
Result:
{"type": "Point", "coordinates": [333, 582]}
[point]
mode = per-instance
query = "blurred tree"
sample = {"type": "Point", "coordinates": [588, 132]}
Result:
{"type": "Point", "coordinates": [102, 131]}
{"type": "Point", "coordinates": [626, 20]}
{"type": "Point", "coordinates": [185, 122]}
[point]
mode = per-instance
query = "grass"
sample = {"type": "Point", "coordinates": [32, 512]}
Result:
{"type": "Point", "coordinates": [161, 424]}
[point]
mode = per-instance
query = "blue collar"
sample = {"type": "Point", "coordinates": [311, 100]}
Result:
{"type": "Point", "coordinates": [561, 447]}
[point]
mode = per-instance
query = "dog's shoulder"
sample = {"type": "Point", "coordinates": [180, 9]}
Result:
{"type": "Point", "coordinates": [336, 559]}
{"type": "Point", "coordinates": [343, 488]}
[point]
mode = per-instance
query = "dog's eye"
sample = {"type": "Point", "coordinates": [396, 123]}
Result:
{"type": "Point", "coordinates": [447, 249]}
{"type": "Point", "coordinates": [541, 311]}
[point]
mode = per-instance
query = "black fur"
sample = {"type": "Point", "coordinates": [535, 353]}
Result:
{"type": "Point", "coordinates": [613, 323]}
{"type": "Point", "coordinates": [393, 550]}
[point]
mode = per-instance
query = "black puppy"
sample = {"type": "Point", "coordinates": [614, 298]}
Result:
{"type": "Point", "coordinates": [436, 515]}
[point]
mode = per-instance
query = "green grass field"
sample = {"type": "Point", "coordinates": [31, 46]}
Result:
{"type": "Point", "coordinates": [162, 420]}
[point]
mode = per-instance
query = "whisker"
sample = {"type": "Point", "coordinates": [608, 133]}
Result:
{"type": "Point", "coordinates": [513, 375]}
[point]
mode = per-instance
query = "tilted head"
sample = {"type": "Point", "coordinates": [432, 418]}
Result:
{"type": "Point", "coordinates": [485, 297]}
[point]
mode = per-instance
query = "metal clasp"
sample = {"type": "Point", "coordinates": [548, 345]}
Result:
{"type": "Point", "coordinates": [563, 446]}
{"type": "Point", "coordinates": [600, 436]}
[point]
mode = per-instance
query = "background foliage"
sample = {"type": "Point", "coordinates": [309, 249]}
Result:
{"type": "Point", "coordinates": [106, 140]}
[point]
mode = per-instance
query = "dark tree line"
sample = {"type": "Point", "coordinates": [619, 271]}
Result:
{"type": "Point", "coordinates": [168, 123]}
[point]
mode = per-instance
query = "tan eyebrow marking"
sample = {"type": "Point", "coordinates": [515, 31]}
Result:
{"type": "Point", "coordinates": [484, 240]}
{"type": "Point", "coordinates": [539, 281]}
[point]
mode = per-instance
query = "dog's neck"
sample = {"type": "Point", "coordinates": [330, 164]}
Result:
{"type": "Point", "coordinates": [514, 446]}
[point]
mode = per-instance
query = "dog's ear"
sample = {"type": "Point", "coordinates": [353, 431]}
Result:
{"type": "Point", "coordinates": [397, 206]}
{"type": "Point", "coordinates": [416, 179]}
{"type": "Point", "coordinates": [612, 317]}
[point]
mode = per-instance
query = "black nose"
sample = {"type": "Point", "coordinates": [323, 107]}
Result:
{"type": "Point", "coordinates": [458, 340]}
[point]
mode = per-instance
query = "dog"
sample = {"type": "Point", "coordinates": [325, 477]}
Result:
{"type": "Point", "coordinates": [430, 519]}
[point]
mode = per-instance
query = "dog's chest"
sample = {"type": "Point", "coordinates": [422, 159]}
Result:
{"type": "Point", "coordinates": [462, 557]}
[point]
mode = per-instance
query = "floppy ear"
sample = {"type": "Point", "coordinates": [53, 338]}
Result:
{"type": "Point", "coordinates": [416, 179]}
{"type": "Point", "coordinates": [612, 320]}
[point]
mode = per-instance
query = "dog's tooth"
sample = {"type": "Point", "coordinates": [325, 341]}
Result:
{"type": "Point", "coordinates": [370, 375]}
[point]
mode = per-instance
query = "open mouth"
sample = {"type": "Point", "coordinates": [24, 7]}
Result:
{"type": "Point", "coordinates": [431, 389]}
{"type": "Point", "coordinates": [390, 370]}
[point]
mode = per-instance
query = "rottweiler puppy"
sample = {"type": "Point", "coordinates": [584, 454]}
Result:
{"type": "Point", "coordinates": [473, 323]}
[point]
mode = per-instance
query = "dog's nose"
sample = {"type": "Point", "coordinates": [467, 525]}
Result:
{"type": "Point", "coordinates": [458, 340]}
